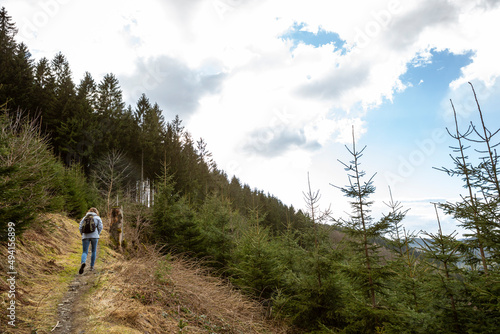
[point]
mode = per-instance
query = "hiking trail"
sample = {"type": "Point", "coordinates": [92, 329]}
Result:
{"type": "Point", "coordinates": [70, 306]}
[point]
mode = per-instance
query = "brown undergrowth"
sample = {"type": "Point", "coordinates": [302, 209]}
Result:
{"type": "Point", "coordinates": [147, 292]}
{"type": "Point", "coordinates": [153, 293]}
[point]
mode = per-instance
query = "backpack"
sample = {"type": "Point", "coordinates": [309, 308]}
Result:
{"type": "Point", "coordinates": [88, 224]}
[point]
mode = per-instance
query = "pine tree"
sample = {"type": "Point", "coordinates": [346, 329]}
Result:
{"type": "Point", "coordinates": [406, 290]}
{"type": "Point", "coordinates": [16, 67]}
{"type": "Point", "coordinates": [205, 166]}
{"type": "Point", "coordinates": [312, 198]}
{"type": "Point", "coordinates": [44, 97]}
{"type": "Point", "coordinates": [174, 223]}
{"type": "Point", "coordinates": [217, 223]}
{"type": "Point", "coordinates": [487, 175]}
{"type": "Point", "coordinates": [364, 268]}
{"type": "Point", "coordinates": [141, 108]}
{"type": "Point", "coordinates": [360, 228]}
{"type": "Point", "coordinates": [467, 211]}
{"type": "Point", "coordinates": [153, 131]}
{"type": "Point", "coordinates": [89, 132]}
{"type": "Point", "coordinates": [254, 265]}
{"type": "Point", "coordinates": [140, 111]}
{"type": "Point", "coordinates": [8, 48]}
{"type": "Point", "coordinates": [21, 83]}
{"type": "Point", "coordinates": [478, 211]}
{"type": "Point", "coordinates": [310, 293]}
{"type": "Point", "coordinates": [188, 175]}
{"type": "Point", "coordinates": [87, 90]}
{"type": "Point", "coordinates": [442, 252]}
{"type": "Point", "coordinates": [66, 119]}
{"type": "Point", "coordinates": [8, 32]}
{"type": "Point", "coordinates": [64, 86]}
{"type": "Point", "coordinates": [109, 97]}
{"type": "Point", "coordinates": [182, 159]}
{"type": "Point", "coordinates": [110, 109]}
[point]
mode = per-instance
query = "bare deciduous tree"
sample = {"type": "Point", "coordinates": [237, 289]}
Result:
{"type": "Point", "coordinates": [110, 172]}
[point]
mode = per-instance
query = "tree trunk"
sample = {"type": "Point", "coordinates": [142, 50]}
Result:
{"type": "Point", "coordinates": [116, 227]}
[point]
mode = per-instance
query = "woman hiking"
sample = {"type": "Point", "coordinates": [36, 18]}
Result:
{"type": "Point", "coordinates": [90, 229]}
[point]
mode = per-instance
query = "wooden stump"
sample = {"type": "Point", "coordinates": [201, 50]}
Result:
{"type": "Point", "coordinates": [116, 227]}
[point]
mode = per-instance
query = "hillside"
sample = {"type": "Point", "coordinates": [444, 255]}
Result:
{"type": "Point", "coordinates": [147, 293]}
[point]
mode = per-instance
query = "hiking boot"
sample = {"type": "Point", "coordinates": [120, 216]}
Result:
{"type": "Point", "coordinates": [91, 268]}
{"type": "Point", "coordinates": [81, 268]}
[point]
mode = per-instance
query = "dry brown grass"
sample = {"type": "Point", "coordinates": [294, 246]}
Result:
{"type": "Point", "coordinates": [158, 294]}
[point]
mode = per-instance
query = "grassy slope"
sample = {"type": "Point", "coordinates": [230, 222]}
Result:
{"type": "Point", "coordinates": [148, 293]}
{"type": "Point", "coordinates": [46, 255]}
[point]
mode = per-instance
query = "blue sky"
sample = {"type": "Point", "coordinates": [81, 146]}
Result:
{"type": "Point", "coordinates": [275, 87]}
{"type": "Point", "coordinates": [298, 35]}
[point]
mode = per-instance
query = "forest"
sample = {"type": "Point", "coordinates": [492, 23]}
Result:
{"type": "Point", "coordinates": [67, 146]}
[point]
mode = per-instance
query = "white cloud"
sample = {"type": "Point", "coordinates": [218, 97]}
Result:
{"type": "Point", "coordinates": [171, 84]}
{"type": "Point", "coordinates": [222, 66]}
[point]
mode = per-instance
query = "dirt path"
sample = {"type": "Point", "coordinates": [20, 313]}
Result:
{"type": "Point", "coordinates": [71, 308]}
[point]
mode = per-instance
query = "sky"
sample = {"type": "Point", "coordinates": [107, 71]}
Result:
{"type": "Point", "coordinates": [277, 88]}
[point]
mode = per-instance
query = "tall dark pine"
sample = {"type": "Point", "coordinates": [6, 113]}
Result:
{"type": "Point", "coordinates": [87, 90]}
{"type": "Point", "coordinates": [14, 65]}
{"type": "Point", "coordinates": [87, 118]}
{"type": "Point", "coordinates": [142, 107]}
{"type": "Point", "coordinates": [109, 97]}
{"type": "Point", "coordinates": [205, 166]}
{"type": "Point", "coordinates": [151, 137]}
{"type": "Point", "coordinates": [22, 79]}
{"type": "Point", "coordinates": [173, 150]}
{"type": "Point", "coordinates": [8, 32]}
{"type": "Point", "coordinates": [110, 109]}
{"type": "Point", "coordinates": [44, 96]}
{"type": "Point", "coordinates": [67, 119]}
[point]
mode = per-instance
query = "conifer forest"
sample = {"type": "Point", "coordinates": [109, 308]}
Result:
{"type": "Point", "coordinates": [66, 146]}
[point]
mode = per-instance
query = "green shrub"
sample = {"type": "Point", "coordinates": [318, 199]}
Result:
{"type": "Point", "coordinates": [32, 179]}
{"type": "Point", "coordinates": [78, 194]}
{"type": "Point", "coordinates": [27, 171]}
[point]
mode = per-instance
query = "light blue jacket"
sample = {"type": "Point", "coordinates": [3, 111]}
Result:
{"type": "Point", "coordinates": [98, 224]}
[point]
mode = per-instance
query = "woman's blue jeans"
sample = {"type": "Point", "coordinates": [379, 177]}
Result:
{"type": "Point", "coordinates": [85, 244]}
